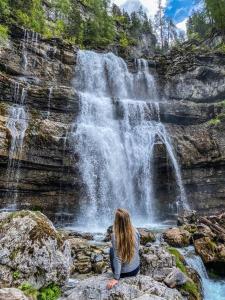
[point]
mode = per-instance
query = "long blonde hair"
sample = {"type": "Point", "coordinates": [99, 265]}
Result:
{"type": "Point", "coordinates": [124, 235]}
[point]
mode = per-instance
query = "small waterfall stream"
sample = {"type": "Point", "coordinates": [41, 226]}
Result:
{"type": "Point", "coordinates": [213, 289]}
{"type": "Point", "coordinates": [17, 125]}
{"type": "Point", "coordinates": [114, 138]}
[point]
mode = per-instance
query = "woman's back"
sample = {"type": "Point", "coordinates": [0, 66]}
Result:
{"type": "Point", "coordinates": [126, 267]}
{"type": "Point", "coordinates": [124, 254]}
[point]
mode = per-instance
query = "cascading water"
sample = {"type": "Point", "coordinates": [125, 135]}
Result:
{"type": "Point", "coordinates": [49, 101]}
{"type": "Point", "coordinates": [17, 125]}
{"type": "Point", "coordinates": [114, 138]}
{"type": "Point", "coordinates": [212, 288]}
{"type": "Point", "coordinates": [29, 37]}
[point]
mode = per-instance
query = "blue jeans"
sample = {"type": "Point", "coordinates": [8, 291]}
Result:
{"type": "Point", "coordinates": [122, 275]}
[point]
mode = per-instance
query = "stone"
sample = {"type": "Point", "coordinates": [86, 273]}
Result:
{"type": "Point", "coordinates": [188, 217]}
{"type": "Point", "coordinates": [177, 237]}
{"type": "Point", "coordinates": [156, 262]}
{"type": "Point", "coordinates": [31, 250]}
{"type": "Point", "coordinates": [146, 236]}
{"type": "Point", "coordinates": [12, 294]}
{"type": "Point", "coordinates": [175, 278]}
{"type": "Point", "coordinates": [140, 287]}
{"type": "Point", "coordinates": [88, 258]}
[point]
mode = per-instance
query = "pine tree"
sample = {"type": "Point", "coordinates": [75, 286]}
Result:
{"type": "Point", "coordinates": [216, 11]}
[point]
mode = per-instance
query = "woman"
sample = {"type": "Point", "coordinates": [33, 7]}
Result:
{"type": "Point", "coordinates": [124, 254]}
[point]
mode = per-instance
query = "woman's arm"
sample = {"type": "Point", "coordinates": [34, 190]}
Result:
{"type": "Point", "coordinates": [116, 260]}
{"type": "Point", "coordinates": [116, 266]}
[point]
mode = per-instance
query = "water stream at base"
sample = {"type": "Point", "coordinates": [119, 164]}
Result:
{"type": "Point", "coordinates": [115, 137]}
{"type": "Point", "coordinates": [213, 289]}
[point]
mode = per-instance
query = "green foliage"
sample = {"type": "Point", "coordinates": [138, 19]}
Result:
{"type": "Point", "coordinates": [4, 8]}
{"type": "Point", "coordinates": [99, 30]}
{"type": "Point", "coordinates": [3, 33]}
{"type": "Point", "coordinates": [191, 288]}
{"type": "Point", "coordinates": [179, 259]}
{"type": "Point", "coordinates": [221, 48]}
{"type": "Point", "coordinates": [216, 12]}
{"type": "Point", "coordinates": [218, 119]}
{"type": "Point", "coordinates": [51, 292]}
{"type": "Point", "coordinates": [123, 42]}
{"type": "Point", "coordinates": [198, 25]}
{"type": "Point", "coordinates": [16, 275]}
{"type": "Point", "coordinates": [29, 290]}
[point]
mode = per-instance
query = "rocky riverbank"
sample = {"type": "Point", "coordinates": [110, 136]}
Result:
{"type": "Point", "coordinates": [36, 258]}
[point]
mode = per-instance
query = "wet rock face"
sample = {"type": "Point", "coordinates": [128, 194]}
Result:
{"type": "Point", "coordinates": [49, 177]}
{"type": "Point", "coordinates": [31, 250]}
{"type": "Point", "coordinates": [195, 80]}
{"type": "Point", "coordinates": [47, 170]}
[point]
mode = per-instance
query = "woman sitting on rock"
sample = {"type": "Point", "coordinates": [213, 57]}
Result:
{"type": "Point", "coordinates": [124, 254]}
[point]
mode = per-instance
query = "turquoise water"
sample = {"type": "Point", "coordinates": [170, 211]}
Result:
{"type": "Point", "coordinates": [213, 289]}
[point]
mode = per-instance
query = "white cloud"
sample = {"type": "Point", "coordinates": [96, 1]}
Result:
{"type": "Point", "coordinates": [152, 5]}
{"type": "Point", "coordinates": [182, 25]}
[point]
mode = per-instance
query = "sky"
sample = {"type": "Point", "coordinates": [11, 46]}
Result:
{"type": "Point", "coordinates": [178, 10]}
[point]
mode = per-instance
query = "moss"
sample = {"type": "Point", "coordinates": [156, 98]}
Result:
{"type": "Point", "coordinates": [211, 245]}
{"type": "Point", "coordinates": [219, 118]}
{"type": "Point", "coordinates": [29, 290]}
{"type": "Point", "coordinates": [43, 230]}
{"type": "Point", "coordinates": [190, 228]}
{"type": "Point", "coordinates": [191, 288]}
{"type": "Point", "coordinates": [3, 34]}
{"type": "Point", "coordinates": [51, 292]}
{"type": "Point", "coordinates": [179, 259]}
{"type": "Point", "coordinates": [3, 108]}
{"type": "Point", "coordinates": [14, 254]}
{"type": "Point", "coordinates": [16, 275]}
{"type": "Point", "coordinates": [39, 231]}
{"type": "Point", "coordinates": [214, 122]}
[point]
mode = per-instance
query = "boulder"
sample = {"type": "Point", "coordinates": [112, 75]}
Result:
{"type": "Point", "coordinates": [31, 250]}
{"type": "Point", "coordinates": [177, 237]}
{"type": "Point", "coordinates": [12, 294]}
{"type": "Point", "coordinates": [175, 278]}
{"type": "Point", "coordinates": [188, 217]}
{"type": "Point", "coordinates": [212, 254]}
{"type": "Point", "coordinates": [156, 262]}
{"type": "Point", "coordinates": [146, 236]}
{"type": "Point", "coordinates": [140, 287]}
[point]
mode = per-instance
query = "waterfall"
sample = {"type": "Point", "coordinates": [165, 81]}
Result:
{"type": "Point", "coordinates": [212, 288]}
{"type": "Point", "coordinates": [50, 90]}
{"type": "Point", "coordinates": [17, 126]}
{"type": "Point", "coordinates": [29, 38]}
{"type": "Point", "coordinates": [114, 138]}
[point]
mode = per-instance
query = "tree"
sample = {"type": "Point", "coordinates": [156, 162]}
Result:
{"type": "Point", "coordinates": [216, 12]}
{"type": "Point", "coordinates": [198, 25]}
{"type": "Point", "coordinates": [4, 9]}
{"type": "Point", "coordinates": [160, 22]}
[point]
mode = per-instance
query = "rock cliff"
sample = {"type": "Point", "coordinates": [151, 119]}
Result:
{"type": "Point", "coordinates": [38, 74]}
